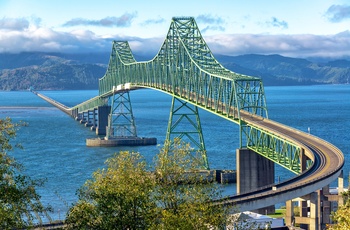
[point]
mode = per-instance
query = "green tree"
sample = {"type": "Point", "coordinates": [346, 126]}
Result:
{"type": "Point", "coordinates": [119, 197]}
{"type": "Point", "coordinates": [341, 216]}
{"type": "Point", "coordinates": [127, 195]}
{"type": "Point", "coordinates": [185, 191]}
{"type": "Point", "coordinates": [20, 205]}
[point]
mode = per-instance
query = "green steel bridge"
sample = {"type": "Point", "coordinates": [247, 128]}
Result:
{"type": "Point", "coordinates": [186, 69]}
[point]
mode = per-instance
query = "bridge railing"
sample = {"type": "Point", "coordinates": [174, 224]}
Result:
{"type": "Point", "coordinates": [90, 104]}
{"type": "Point", "coordinates": [275, 148]}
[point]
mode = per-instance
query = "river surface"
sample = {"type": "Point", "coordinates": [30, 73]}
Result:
{"type": "Point", "coordinates": [55, 149]}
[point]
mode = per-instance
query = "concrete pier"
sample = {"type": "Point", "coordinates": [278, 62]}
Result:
{"type": "Point", "coordinates": [254, 171]}
{"type": "Point", "coordinates": [315, 209]}
{"type": "Point", "coordinates": [91, 120]}
{"type": "Point", "coordinates": [121, 141]}
{"type": "Point", "coordinates": [102, 121]}
{"type": "Point", "coordinates": [226, 176]}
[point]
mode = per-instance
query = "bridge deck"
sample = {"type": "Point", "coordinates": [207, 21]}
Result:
{"type": "Point", "coordinates": [328, 163]}
{"type": "Point", "coordinates": [57, 104]}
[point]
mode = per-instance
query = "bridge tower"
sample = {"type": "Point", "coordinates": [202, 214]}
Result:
{"type": "Point", "coordinates": [121, 128]}
{"type": "Point", "coordinates": [184, 123]}
{"type": "Point", "coordinates": [121, 122]}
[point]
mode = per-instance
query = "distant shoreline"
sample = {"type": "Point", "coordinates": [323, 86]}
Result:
{"type": "Point", "coordinates": [27, 107]}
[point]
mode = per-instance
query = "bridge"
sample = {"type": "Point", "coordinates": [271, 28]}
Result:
{"type": "Point", "coordinates": [186, 69]}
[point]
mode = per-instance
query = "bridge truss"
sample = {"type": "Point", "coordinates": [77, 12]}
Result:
{"type": "Point", "coordinates": [186, 69]}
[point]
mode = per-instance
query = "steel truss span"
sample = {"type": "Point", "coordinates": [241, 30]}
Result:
{"type": "Point", "coordinates": [186, 69]}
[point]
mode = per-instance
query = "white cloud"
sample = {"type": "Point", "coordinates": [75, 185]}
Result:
{"type": "Point", "coordinates": [212, 23]}
{"type": "Point", "coordinates": [34, 38]}
{"type": "Point", "coordinates": [303, 45]}
{"type": "Point", "coordinates": [275, 22]}
{"type": "Point", "coordinates": [17, 24]}
{"type": "Point", "coordinates": [338, 13]}
{"type": "Point", "coordinates": [20, 36]}
{"type": "Point", "coordinates": [210, 19]}
{"type": "Point", "coordinates": [158, 20]}
{"type": "Point", "coordinates": [122, 21]}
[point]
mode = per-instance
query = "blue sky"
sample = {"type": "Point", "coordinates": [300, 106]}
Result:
{"type": "Point", "coordinates": [294, 28]}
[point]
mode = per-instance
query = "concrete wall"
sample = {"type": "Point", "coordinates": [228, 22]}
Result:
{"type": "Point", "coordinates": [254, 171]}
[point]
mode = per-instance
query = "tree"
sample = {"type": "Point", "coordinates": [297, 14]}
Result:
{"type": "Point", "coordinates": [341, 216]}
{"type": "Point", "coordinates": [127, 195]}
{"type": "Point", "coordinates": [20, 205]}
{"type": "Point", "coordinates": [119, 197]}
{"type": "Point", "coordinates": [185, 191]}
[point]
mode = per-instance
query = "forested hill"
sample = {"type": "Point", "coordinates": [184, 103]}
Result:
{"type": "Point", "coordinates": [51, 71]}
{"type": "Point", "coordinates": [279, 70]}
{"type": "Point", "coordinates": [56, 71]}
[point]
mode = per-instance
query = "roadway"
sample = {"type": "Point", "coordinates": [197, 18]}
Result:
{"type": "Point", "coordinates": [327, 165]}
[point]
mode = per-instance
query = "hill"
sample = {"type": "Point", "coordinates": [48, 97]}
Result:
{"type": "Point", "coordinates": [51, 71]}
{"type": "Point", "coordinates": [58, 71]}
{"type": "Point", "coordinates": [279, 70]}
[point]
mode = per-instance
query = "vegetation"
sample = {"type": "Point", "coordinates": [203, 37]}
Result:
{"type": "Point", "coordinates": [279, 213]}
{"type": "Point", "coordinates": [20, 205]}
{"type": "Point", "coordinates": [341, 216]}
{"type": "Point", "coordinates": [184, 197]}
{"type": "Point", "coordinates": [118, 197]}
{"type": "Point", "coordinates": [62, 71]}
{"type": "Point", "coordinates": [127, 195]}
{"type": "Point", "coordinates": [50, 71]}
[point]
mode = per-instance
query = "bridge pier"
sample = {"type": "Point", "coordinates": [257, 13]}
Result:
{"type": "Point", "coordinates": [77, 116]}
{"type": "Point", "coordinates": [315, 208]}
{"type": "Point", "coordinates": [90, 118]}
{"type": "Point", "coordinates": [74, 113]}
{"type": "Point", "coordinates": [94, 119]}
{"type": "Point", "coordinates": [254, 171]}
{"type": "Point", "coordinates": [84, 116]}
{"type": "Point", "coordinates": [310, 211]}
{"type": "Point", "coordinates": [102, 121]}
{"type": "Point", "coordinates": [117, 123]}
{"type": "Point", "coordinates": [97, 118]}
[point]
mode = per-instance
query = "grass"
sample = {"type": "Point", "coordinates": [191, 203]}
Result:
{"type": "Point", "coordinates": [279, 213]}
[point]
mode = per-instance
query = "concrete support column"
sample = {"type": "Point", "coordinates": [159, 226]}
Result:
{"type": "Point", "coordinates": [102, 121]}
{"type": "Point", "coordinates": [303, 209]}
{"type": "Point", "coordinates": [289, 213]}
{"type": "Point", "coordinates": [326, 212]}
{"type": "Point", "coordinates": [315, 211]}
{"type": "Point", "coordinates": [95, 118]}
{"type": "Point", "coordinates": [78, 116]}
{"type": "Point", "coordinates": [90, 118]}
{"type": "Point", "coordinates": [74, 113]}
{"type": "Point", "coordinates": [84, 118]}
{"type": "Point", "coordinates": [254, 171]}
{"type": "Point", "coordinates": [340, 188]}
{"type": "Point", "coordinates": [326, 207]}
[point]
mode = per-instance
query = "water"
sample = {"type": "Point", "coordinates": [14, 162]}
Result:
{"type": "Point", "coordinates": [54, 144]}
